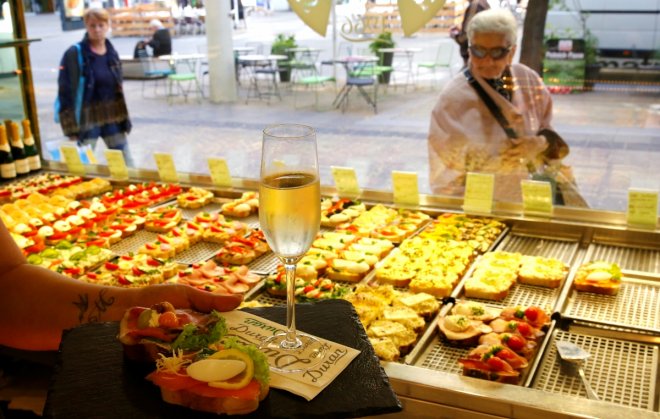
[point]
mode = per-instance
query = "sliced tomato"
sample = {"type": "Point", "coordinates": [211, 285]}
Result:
{"type": "Point", "coordinates": [173, 382]}
{"type": "Point", "coordinates": [249, 392]}
{"type": "Point", "coordinates": [58, 236]}
{"type": "Point", "coordinates": [35, 248]}
{"type": "Point", "coordinates": [111, 266]}
{"type": "Point", "coordinates": [72, 271]}
{"type": "Point", "coordinates": [97, 242]}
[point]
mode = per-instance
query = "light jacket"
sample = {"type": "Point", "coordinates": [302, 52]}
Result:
{"type": "Point", "coordinates": [92, 115]}
{"type": "Point", "coordinates": [464, 136]}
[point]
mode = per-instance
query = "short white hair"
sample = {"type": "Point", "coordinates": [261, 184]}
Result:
{"type": "Point", "coordinates": [155, 23]}
{"type": "Point", "coordinates": [494, 21]}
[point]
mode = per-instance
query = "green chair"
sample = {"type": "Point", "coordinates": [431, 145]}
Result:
{"type": "Point", "coordinates": [443, 59]}
{"type": "Point", "coordinates": [186, 80]}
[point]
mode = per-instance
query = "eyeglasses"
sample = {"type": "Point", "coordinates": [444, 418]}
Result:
{"type": "Point", "coordinates": [495, 53]}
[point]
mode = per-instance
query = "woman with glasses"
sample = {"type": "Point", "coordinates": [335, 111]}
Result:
{"type": "Point", "coordinates": [465, 135]}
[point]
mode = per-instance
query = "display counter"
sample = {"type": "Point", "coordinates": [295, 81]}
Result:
{"type": "Point", "coordinates": [621, 334]}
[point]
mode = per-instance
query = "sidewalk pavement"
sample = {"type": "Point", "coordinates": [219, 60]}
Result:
{"type": "Point", "coordinates": [614, 131]}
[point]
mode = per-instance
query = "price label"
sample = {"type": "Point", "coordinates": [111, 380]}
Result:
{"type": "Point", "coordinates": [116, 164]}
{"type": "Point", "coordinates": [166, 168]}
{"type": "Point", "coordinates": [405, 188]}
{"type": "Point", "coordinates": [72, 159]}
{"type": "Point", "coordinates": [345, 181]}
{"type": "Point", "coordinates": [537, 197]}
{"type": "Point", "coordinates": [220, 172]}
{"type": "Point", "coordinates": [642, 207]}
{"type": "Point", "coordinates": [479, 189]}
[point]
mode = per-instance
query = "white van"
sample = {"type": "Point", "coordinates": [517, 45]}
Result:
{"type": "Point", "coordinates": [628, 31]}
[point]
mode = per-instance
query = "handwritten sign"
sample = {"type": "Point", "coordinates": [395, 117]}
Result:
{"type": "Point", "coordinates": [405, 188]}
{"type": "Point", "coordinates": [72, 159]}
{"type": "Point", "coordinates": [307, 384]}
{"type": "Point", "coordinates": [116, 164]}
{"type": "Point", "coordinates": [345, 181]}
{"type": "Point", "coordinates": [537, 197]}
{"type": "Point", "coordinates": [642, 207]}
{"type": "Point", "coordinates": [166, 168]}
{"type": "Point", "coordinates": [220, 172]}
{"type": "Point", "coordinates": [479, 189]}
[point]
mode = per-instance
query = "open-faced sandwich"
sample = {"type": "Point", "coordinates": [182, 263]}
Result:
{"type": "Point", "coordinates": [599, 277]}
{"type": "Point", "coordinates": [231, 381]}
{"type": "Point", "coordinates": [147, 332]}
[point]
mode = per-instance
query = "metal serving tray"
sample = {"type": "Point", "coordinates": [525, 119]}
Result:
{"type": "Point", "coordinates": [637, 304]}
{"type": "Point", "coordinates": [523, 294]}
{"type": "Point", "coordinates": [433, 352]}
{"type": "Point", "coordinates": [621, 371]}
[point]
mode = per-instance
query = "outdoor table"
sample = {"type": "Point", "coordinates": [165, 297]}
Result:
{"type": "Point", "coordinates": [408, 53]}
{"type": "Point", "coordinates": [261, 64]}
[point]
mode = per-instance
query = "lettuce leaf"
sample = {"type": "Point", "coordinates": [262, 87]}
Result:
{"type": "Point", "coordinates": [194, 338]}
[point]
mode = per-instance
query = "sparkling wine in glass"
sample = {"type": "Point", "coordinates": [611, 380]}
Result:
{"type": "Point", "coordinates": [290, 215]}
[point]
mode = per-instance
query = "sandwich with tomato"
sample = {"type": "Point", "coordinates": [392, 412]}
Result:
{"type": "Point", "coordinates": [232, 380]}
{"type": "Point", "coordinates": [147, 333]}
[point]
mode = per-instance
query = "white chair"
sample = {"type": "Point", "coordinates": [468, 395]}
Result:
{"type": "Point", "coordinates": [443, 59]}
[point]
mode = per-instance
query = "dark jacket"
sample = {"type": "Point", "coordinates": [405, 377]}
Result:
{"type": "Point", "coordinates": [92, 114]}
{"type": "Point", "coordinates": [161, 42]}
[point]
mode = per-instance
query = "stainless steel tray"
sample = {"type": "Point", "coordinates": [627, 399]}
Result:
{"type": "Point", "coordinates": [620, 371]}
{"type": "Point", "coordinates": [434, 353]}
{"type": "Point", "coordinates": [637, 304]}
{"type": "Point", "coordinates": [523, 294]}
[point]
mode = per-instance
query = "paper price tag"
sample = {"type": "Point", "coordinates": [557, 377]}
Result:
{"type": "Point", "coordinates": [479, 189]}
{"type": "Point", "coordinates": [537, 197]}
{"type": "Point", "coordinates": [405, 188]}
{"type": "Point", "coordinates": [72, 159]}
{"type": "Point", "coordinates": [345, 181]}
{"type": "Point", "coordinates": [219, 172]}
{"type": "Point", "coordinates": [642, 207]}
{"type": "Point", "coordinates": [166, 168]}
{"type": "Point", "coordinates": [116, 164]}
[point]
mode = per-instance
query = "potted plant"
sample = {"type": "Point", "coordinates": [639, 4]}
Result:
{"type": "Point", "coordinates": [281, 46]}
{"type": "Point", "coordinates": [383, 40]}
{"type": "Point", "coordinates": [591, 65]}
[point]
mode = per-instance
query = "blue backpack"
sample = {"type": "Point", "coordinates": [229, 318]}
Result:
{"type": "Point", "coordinates": [79, 91]}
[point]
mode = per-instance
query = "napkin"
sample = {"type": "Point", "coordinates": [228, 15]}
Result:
{"type": "Point", "coordinates": [308, 384]}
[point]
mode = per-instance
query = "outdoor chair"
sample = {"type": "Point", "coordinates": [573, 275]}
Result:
{"type": "Point", "coordinates": [184, 80]}
{"type": "Point", "coordinates": [361, 77]}
{"type": "Point", "coordinates": [155, 71]}
{"type": "Point", "coordinates": [443, 59]}
{"type": "Point", "coordinates": [315, 81]}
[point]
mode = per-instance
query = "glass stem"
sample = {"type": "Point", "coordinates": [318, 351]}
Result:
{"type": "Point", "coordinates": [290, 272]}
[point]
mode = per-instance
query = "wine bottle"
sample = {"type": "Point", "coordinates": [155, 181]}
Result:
{"type": "Point", "coordinates": [7, 167]}
{"type": "Point", "coordinates": [34, 161]}
{"type": "Point", "coordinates": [17, 150]}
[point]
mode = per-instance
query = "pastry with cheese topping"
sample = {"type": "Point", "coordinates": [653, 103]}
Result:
{"type": "Point", "coordinates": [543, 272]}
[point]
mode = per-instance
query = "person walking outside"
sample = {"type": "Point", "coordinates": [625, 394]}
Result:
{"type": "Point", "coordinates": [460, 34]}
{"type": "Point", "coordinates": [90, 91]}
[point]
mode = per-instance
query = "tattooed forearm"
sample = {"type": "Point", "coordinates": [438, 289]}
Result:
{"type": "Point", "coordinates": [82, 304]}
{"type": "Point", "coordinates": [93, 314]}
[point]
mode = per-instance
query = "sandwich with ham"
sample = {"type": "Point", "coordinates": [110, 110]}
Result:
{"type": "Point", "coordinates": [232, 380]}
{"type": "Point", "coordinates": [147, 333]}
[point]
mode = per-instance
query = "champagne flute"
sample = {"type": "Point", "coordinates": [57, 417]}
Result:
{"type": "Point", "coordinates": [290, 215]}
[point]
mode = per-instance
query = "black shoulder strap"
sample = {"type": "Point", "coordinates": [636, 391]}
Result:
{"type": "Point", "coordinates": [490, 104]}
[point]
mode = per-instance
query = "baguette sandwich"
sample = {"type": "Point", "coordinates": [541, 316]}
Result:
{"type": "Point", "coordinates": [230, 381]}
{"type": "Point", "coordinates": [146, 333]}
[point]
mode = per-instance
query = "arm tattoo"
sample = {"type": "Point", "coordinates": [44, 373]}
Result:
{"type": "Point", "coordinates": [93, 313]}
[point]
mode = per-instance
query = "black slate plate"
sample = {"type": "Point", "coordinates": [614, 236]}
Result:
{"type": "Point", "coordinates": [92, 379]}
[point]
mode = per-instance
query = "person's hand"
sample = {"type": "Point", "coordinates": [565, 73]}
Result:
{"type": "Point", "coordinates": [527, 148]}
{"type": "Point", "coordinates": [185, 296]}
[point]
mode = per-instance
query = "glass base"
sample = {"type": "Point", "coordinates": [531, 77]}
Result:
{"type": "Point", "coordinates": [306, 353]}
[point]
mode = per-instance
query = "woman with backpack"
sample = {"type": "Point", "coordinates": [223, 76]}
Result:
{"type": "Point", "coordinates": [90, 94]}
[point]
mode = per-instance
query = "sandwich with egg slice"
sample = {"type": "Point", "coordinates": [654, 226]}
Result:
{"type": "Point", "coordinates": [232, 380]}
